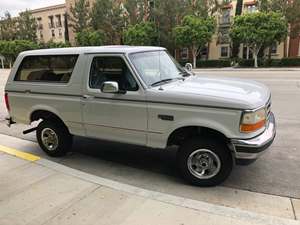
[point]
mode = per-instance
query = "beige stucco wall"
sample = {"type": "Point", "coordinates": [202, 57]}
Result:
{"type": "Point", "coordinates": [44, 31]}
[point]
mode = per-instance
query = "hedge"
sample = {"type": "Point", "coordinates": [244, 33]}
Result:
{"type": "Point", "coordinates": [209, 63]}
{"type": "Point", "coordinates": [284, 62]}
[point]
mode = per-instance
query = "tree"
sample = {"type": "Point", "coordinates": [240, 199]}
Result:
{"type": "Point", "coordinates": [143, 33]}
{"type": "Point", "coordinates": [8, 27]}
{"type": "Point", "coordinates": [26, 26]}
{"type": "Point", "coordinates": [107, 16]}
{"type": "Point", "coordinates": [11, 49]}
{"type": "Point", "coordinates": [258, 29]}
{"type": "Point", "coordinates": [167, 14]}
{"type": "Point", "coordinates": [90, 38]}
{"type": "Point", "coordinates": [195, 33]}
{"type": "Point", "coordinates": [236, 45]}
{"type": "Point", "coordinates": [80, 16]}
{"type": "Point", "coordinates": [137, 11]}
{"type": "Point", "coordinates": [52, 44]}
{"type": "Point", "coordinates": [291, 11]}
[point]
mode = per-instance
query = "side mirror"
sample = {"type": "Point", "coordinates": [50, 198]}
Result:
{"type": "Point", "coordinates": [110, 87]}
{"type": "Point", "coordinates": [188, 67]}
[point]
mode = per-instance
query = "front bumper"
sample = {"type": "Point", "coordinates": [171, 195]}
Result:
{"type": "Point", "coordinates": [248, 150]}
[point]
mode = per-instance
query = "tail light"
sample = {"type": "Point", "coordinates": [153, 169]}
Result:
{"type": "Point", "coordinates": [6, 101]}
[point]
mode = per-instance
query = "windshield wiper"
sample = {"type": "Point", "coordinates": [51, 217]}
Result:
{"type": "Point", "coordinates": [166, 81]}
{"type": "Point", "coordinates": [185, 73]}
{"type": "Point", "coordinates": [161, 81]}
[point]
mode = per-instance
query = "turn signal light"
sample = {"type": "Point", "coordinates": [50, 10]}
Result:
{"type": "Point", "coordinates": [252, 127]}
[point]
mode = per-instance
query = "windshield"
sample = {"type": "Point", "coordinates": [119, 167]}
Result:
{"type": "Point", "coordinates": [156, 66]}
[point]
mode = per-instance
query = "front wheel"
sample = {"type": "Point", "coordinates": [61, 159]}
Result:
{"type": "Point", "coordinates": [204, 162]}
{"type": "Point", "coordinates": [54, 138]}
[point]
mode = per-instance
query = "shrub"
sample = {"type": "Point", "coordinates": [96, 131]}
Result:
{"type": "Point", "coordinates": [284, 62]}
{"type": "Point", "coordinates": [290, 62]}
{"type": "Point", "coordinates": [213, 63]}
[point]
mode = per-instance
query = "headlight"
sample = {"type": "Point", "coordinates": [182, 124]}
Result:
{"type": "Point", "coordinates": [252, 121]}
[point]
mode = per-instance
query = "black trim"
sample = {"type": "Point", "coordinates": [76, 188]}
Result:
{"type": "Point", "coordinates": [121, 128]}
{"type": "Point", "coordinates": [45, 81]}
{"type": "Point", "coordinates": [42, 93]}
{"type": "Point", "coordinates": [134, 100]}
{"type": "Point", "coordinates": [166, 117]}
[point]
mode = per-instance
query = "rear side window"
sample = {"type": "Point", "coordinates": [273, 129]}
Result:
{"type": "Point", "coordinates": [48, 68]}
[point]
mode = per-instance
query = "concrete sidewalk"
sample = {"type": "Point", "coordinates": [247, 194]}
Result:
{"type": "Point", "coordinates": [37, 191]}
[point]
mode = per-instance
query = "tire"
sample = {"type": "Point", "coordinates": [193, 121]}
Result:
{"type": "Point", "coordinates": [54, 138]}
{"type": "Point", "coordinates": [196, 154]}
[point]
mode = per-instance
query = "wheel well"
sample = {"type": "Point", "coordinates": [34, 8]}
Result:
{"type": "Point", "coordinates": [45, 115]}
{"type": "Point", "coordinates": [179, 135]}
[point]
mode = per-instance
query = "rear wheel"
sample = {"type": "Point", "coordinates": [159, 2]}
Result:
{"type": "Point", "coordinates": [54, 138]}
{"type": "Point", "coordinates": [206, 162]}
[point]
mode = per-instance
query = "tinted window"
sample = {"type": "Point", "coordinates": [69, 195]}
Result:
{"type": "Point", "coordinates": [111, 69]}
{"type": "Point", "coordinates": [55, 68]}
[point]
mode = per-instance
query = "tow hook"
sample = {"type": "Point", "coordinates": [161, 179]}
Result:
{"type": "Point", "coordinates": [29, 130]}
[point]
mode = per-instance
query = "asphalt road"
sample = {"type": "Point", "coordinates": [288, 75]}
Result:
{"type": "Point", "coordinates": [277, 172]}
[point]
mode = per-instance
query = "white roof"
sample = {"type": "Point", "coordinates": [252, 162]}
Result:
{"type": "Point", "coordinates": [93, 49]}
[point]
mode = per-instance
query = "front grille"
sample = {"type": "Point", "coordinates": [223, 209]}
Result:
{"type": "Point", "coordinates": [268, 109]}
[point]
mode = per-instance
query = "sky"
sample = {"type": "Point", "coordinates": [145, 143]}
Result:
{"type": "Point", "coordinates": [16, 6]}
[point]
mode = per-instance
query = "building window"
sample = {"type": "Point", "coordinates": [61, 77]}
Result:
{"type": "Point", "coordinates": [224, 51]}
{"type": "Point", "coordinates": [225, 18]}
{"type": "Point", "coordinates": [251, 8]}
{"type": "Point", "coordinates": [274, 49]}
{"type": "Point", "coordinates": [51, 22]}
{"type": "Point", "coordinates": [39, 23]}
{"type": "Point", "coordinates": [184, 53]}
{"type": "Point", "coordinates": [59, 33]}
{"type": "Point", "coordinates": [58, 19]}
{"type": "Point", "coordinates": [41, 34]}
{"type": "Point", "coordinates": [52, 33]}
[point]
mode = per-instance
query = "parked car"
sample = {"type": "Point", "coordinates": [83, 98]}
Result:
{"type": "Point", "coordinates": [141, 96]}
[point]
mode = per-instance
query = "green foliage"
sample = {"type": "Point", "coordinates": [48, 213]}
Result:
{"type": "Point", "coordinates": [284, 62]}
{"type": "Point", "coordinates": [256, 30]}
{"type": "Point", "coordinates": [8, 27]}
{"type": "Point", "coordinates": [80, 16]}
{"type": "Point", "coordinates": [213, 63]}
{"type": "Point", "coordinates": [11, 49]}
{"type": "Point", "coordinates": [194, 33]}
{"type": "Point", "coordinates": [218, 63]}
{"type": "Point", "coordinates": [137, 11]}
{"type": "Point", "coordinates": [107, 16]}
{"type": "Point", "coordinates": [290, 9]}
{"type": "Point", "coordinates": [90, 38]}
{"type": "Point", "coordinates": [26, 26]}
{"type": "Point", "coordinates": [143, 33]}
{"type": "Point", "coordinates": [52, 44]}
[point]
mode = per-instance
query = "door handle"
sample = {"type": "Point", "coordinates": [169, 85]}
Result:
{"type": "Point", "coordinates": [87, 96]}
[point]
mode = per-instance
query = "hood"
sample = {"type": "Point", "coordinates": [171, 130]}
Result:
{"type": "Point", "coordinates": [214, 92]}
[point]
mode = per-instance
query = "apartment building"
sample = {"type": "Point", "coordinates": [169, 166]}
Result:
{"type": "Point", "coordinates": [51, 23]}
{"type": "Point", "coordinates": [220, 46]}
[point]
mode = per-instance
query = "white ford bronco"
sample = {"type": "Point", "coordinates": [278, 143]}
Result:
{"type": "Point", "coordinates": [141, 96]}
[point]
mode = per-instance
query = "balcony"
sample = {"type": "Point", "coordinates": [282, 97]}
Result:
{"type": "Point", "coordinates": [225, 21]}
{"type": "Point", "coordinates": [51, 25]}
{"type": "Point", "coordinates": [58, 24]}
